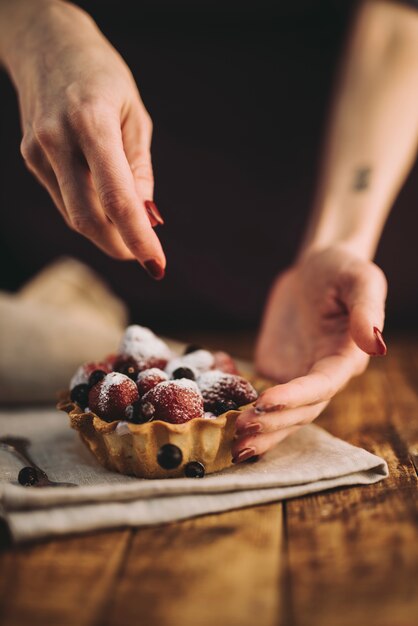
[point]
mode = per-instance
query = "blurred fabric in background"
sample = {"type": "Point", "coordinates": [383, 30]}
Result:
{"type": "Point", "coordinates": [238, 93]}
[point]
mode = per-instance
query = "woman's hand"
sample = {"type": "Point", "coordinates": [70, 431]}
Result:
{"type": "Point", "coordinates": [322, 320]}
{"type": "Point", "coordinates": [86, 133]}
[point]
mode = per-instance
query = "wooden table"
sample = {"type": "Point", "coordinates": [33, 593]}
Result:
{"type": "Point", "coordinates": [338, 558]}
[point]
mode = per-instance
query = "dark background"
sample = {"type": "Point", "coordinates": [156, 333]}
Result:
{"type": "Point", "coordinates": [239, 98]}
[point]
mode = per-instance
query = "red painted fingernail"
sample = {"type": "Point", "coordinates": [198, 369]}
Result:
{"type": "Point", "coordinates": [249, 429]}
{"type": "Point", "coordinates": [380, 342]}
{"type": "Point", "coordinates": [154, 269]}
{"type": "Point", "coordinates": [269, 408]}
{"type": "Point", "coordinates": [243, 455]}
{"type": "Point", "coordinates": [153, 212]}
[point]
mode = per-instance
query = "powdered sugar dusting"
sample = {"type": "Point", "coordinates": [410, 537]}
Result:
{"type": "Point", "coordinates": [151, 372]}
{"type": "Point", "coordinates": [198, 361]}
{"type": "Point", "coordinates": [209, 380]}
{"type": "Point", "coordinates": [111, 380]}
{"type": "Point", "coordinates": [175, 401]}
{"type": "Point", "coordinates": [218, 387]}
{"type": "Point", "coordinates": [122, 428]}
{"type": "Point", "coordinates": [183, 383]}
{"type": "Point", "coordinates": [80, 377]}
{"type": "Point", "coordinates": [141, 343]}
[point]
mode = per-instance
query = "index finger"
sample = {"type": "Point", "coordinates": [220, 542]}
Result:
{"type": "Point", "coordinates": [327, 376]}
{"type": "Point", "coordinates": [115, 186]}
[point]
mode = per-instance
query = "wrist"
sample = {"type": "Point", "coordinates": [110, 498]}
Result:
{"type": "Point", "coordinates": [352, 223]}
{"type": "Point", "coordinates": [27, 28]}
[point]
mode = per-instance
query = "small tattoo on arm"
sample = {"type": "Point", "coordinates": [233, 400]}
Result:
{"type": "Point", "coordinates": [362, 178]}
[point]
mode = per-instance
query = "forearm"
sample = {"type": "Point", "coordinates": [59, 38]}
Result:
{"type": "Point", "coordinates": [373, 131]}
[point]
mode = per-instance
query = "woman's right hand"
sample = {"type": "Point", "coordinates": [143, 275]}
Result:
{"type": "Point", "coordinates": [86, 133]}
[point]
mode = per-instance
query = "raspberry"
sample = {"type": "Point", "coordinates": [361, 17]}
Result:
{"type": "Point", "coordinates": [110, 396]}
{"type": "Point", "coordinates": [149, 378]}
{"type": "Point", "coordinates": [148, 349]}
{"type": "Point", "coordinates": [217, 387]}
{"type": "Point", "coordinates": [174, 401]}
{"type": "Point", "coordinates": [225, 363]}
{"type": "Point", "coordinates": [81, 376]}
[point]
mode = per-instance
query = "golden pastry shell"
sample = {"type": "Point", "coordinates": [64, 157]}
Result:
{"type": "Point", "coordinates": [134, 450]}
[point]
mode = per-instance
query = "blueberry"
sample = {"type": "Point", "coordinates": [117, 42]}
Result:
{"type": "Point", "coordinates": [148, 411]}
{"type": "Point", "coordinates": [194, 469]}
{"type": "Point", "coordinates": [128, 366]}
{"type": "Point", "coordinates": [169, 456]}
{"type": "Point", "coordinates": [223, 406]}
{"type": "Point", "coordinates": [139, 414]}
{"type": "Point", "coordinates": [192, 348]}
{"type": "Point", "coordinates": [184, 372]}
{"type": "Point", "coordinates": [28, 476]}
{"type": "Point", "coordinates": [80, 395]}
{"type": "Point", "coordinates": [96, 377]}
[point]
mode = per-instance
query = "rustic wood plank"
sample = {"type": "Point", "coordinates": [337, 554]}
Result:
{"type": "Point", "coordinates": [217, 569]}
{"type": "Point", "coordinates": [62, 582]}
{"type": "Point", "coordinates": [353, 553]}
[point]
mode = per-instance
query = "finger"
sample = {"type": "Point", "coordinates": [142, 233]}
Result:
{"type": "Point", "coordinates": [38, 164]}
{"type": "Point", "coordinates": [248, 447]}
{"type": "Point", "coordinates": [252, 423]}
{"type": "Point", "coordinates": [84, 211]}
{"type": "Point", "coordinates": [364, 294]}
{"type": "Point", "coordinates": [325, 378]}
{"type": "Point", "coordinates": [118, 194]}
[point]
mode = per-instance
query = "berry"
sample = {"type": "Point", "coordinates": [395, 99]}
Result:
{"type": "Point", "coordinates": [169, 456]}
{"type": "Point", "coordinates": [174, 401]}
{"type": "Point", "coordinates": [110, 396]}
{"type": "Point", "coordinates": [83, 372]}
{"type": "Point", "coordinates": [95, 377]}
{"type": "Point", "coordinates": [183, 372]}
{"type": "Point", "coordinates": [224, 406]}
{"type": "Point", "coordinates": [225, 363]}
{"type": "Point", "coordinates": [191, 348]}
{"type": "Point", "coordinates": [80, 395]}
{"type": "Point", "coordinates": [137, 415]}
{"type": "Point", "coordinates": [199, 361]}
{"type": "Point", "coordinates": [28, 476]}
{"type": "Point", "coordinates": [128, 366]}
{"type": "Point", "coordinates": [147, 379]}
{"type": "Point", "coordinates": [148, 349]}
{"type": "Point", "coordinates": [217, 387]}
{"type": "Point", "coordinates": [194, 469]}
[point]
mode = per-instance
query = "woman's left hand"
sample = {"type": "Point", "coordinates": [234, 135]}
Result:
{"type": "Point", "coordinates": [323, 319]}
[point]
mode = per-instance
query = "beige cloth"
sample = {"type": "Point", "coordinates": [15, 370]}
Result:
{"type": "Point", "coordinates": [310, 460]}
{"type": "Point", "coordinates": [66, 315]}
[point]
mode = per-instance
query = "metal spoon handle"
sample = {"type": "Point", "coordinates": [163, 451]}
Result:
{"type": "Point", "coordinates": [19, 446]}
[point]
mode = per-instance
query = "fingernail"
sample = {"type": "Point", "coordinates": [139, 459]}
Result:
{"type": "Point", "coordinates": [380, 342]}
{"type": "Point", "coordinates": [253, 459]}
{"type": "Point", "coordinates": [244, 455]}
{"type": "Point", "coordinates": [249, 429]}
{"type": "Point", "coordinates": [153, 211]}
{"type": "Point", "coordinates": [269, 408]}
{"type": "Point", "coordinates": [154, 269]}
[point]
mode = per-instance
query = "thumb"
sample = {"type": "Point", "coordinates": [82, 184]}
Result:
{"type": "Point", "coordinates": [365, 296]}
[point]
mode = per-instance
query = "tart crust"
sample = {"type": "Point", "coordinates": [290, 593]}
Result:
{"type": "Point", "coordinates": [134, 452]}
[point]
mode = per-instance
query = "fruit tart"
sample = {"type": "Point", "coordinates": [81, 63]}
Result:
{"type": "Point", "coordinates": [151, 413]}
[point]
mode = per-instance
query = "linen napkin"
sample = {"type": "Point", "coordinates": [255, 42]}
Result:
{"type": "Point", "coordinates": [308, 461]}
